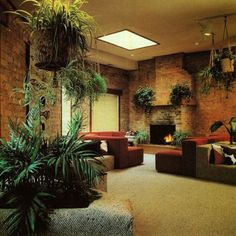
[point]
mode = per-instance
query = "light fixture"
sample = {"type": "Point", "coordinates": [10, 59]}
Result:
{"type": "Point", "coordinates": [207, 34]}
{"type": "Point", "coordinates": [128, 40]}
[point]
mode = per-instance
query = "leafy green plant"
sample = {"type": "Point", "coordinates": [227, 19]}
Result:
{"type": "Point", "coordinates": [60, 29]}
{"type": "Point", "coordinates": [37, 175]}
{"type": "Point", "coordinates": [141, 136]}
{"type": "Point", "coordinates": [80, 82]}
{"type": "Point", "coordinates": [179, 93]}
{"type": "Point", "coordinates": [214, 75]}
{"type": "Point", "coordinates": [143, 98]}
{"type": "Point", "coordinates": [231, 129]}
{"type": "Point", "coordinates": [178, 136]}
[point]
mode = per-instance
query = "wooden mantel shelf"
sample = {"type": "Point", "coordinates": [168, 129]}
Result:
{"type": "Point", "coordinates": [186, 103]}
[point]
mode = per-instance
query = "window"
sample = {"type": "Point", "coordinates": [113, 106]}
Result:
{"type": "Point", "coordinates": [105, 113]}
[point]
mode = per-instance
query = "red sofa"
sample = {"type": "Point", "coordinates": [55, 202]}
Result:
{"type": "Point", "coordinates": [125, 156]}
{"type": "Point", "coordinates": [184, 162]}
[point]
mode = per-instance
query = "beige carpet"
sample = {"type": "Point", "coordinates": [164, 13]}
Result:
{"type": "Point", "coordinates": [166, 204]}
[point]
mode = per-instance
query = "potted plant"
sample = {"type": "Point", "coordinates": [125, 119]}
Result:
{"type": "Point", "coordinates": [60, 31]}
{"type": "Point", "coordinates": [221, 73]}
{"type": "Point", "coordinates": [39, 175]}
{"type": "Point", "coordinates": [231, 130]}
{"type": "Point", "coordinates": [227, 60]}
{"type": "Point", "coordinates": [141, 137]}
{"type": "Point", "coordinates": [143, 98]}
{"type": "Point", "coordinates": [179, 93]}
{"type": "Point", "coordinates": [178, 136]}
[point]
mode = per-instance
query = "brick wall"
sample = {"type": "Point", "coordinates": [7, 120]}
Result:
{"type": "Point", "coordinates": [13, 41]}
{"type": "Point", "coordinates": [218, 105]}
{"type": "Point", "coordinates": [12, 73]}
{"type": "Point", "coordinates": [161, 74]}
{"type": "Point", "coordinates": [180, 68]}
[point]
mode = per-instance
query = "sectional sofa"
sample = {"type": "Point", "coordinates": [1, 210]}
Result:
{"type": "Point", "coordinates": [214, 172]}
{"type": "Point", "coordinates": [125, 156]}
{"type": "Point", "coordinates": [183, 161]}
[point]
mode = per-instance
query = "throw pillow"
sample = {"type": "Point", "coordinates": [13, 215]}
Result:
{"type": "Point", "coordinates": [218, 154]}
{"type": "Point", "coordinates": [104, 147]}
{"type": "Point", "coordinates": [229, 149]}
{"type": "Point", "coordinates": [93, 145]}
{"type": "Point", "coordinates": [230, 159]}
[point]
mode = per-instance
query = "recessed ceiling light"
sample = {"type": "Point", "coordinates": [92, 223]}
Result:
{"type": "Point", "coordinates": [128, 40]}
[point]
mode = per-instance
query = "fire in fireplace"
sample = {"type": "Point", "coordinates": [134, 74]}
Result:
{"type": "Point", "coordinates": [168, 139]}
{"type": "Point", "coordinates": [161, 134]}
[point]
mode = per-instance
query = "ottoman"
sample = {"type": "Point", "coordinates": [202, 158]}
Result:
{"type": "Point", "coordinates": [135, 156]}
{"type": "Point", "coordinates": [170, 161]}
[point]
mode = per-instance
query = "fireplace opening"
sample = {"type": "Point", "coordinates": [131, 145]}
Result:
{"type": "Point", "coordinates": [161, 134]}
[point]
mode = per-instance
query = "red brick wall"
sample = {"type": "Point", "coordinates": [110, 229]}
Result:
{"type": "Point", "coordinates": [161, 74]}
{"type": "Point", "coordinates": [12, 74]}
{"type": "Point", "coordinates": [218, 105]}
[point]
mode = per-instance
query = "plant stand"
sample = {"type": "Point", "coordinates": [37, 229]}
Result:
{"type": "Point", "coordinates": [106, 216]}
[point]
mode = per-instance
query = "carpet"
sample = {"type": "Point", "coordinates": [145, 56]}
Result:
{"type": "Point", "coordinates": [169, 205]}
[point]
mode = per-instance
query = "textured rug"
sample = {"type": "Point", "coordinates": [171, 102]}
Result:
{"type": "Point", "coordinates": [165, 204]}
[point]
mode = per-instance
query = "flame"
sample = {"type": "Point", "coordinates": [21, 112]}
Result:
{"type": "Point", "coordinates": [168, 138]}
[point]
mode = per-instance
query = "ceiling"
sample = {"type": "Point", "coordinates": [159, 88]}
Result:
{"type": "Point", "coordinates": [172, 23]}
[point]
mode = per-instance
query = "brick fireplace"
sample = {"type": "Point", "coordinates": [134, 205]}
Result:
{"type": "Point", "coordinates": [161, 134]}
{"type": "Point", "coordinates": [161, 74]}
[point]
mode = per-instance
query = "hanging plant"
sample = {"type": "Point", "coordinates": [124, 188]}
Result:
{"type": "Point", "coordinates": [179, 93]}
{"type": "Point", "coordinates": [143, 98]}
{"type": "Point", "coordinates": [80, 82]}
{"type": "Point", "coordinates": [221, 69]}
{"type": "Point", "coordinates": [60, 31]}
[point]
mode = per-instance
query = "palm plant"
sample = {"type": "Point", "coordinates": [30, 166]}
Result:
{"type": "Point", "coordinates": [33, 171]}
{"type": "Point", "coordinates": [60, 29]}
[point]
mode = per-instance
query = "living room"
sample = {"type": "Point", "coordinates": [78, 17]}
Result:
{"type": "Point", "coordinates": [165, 199]}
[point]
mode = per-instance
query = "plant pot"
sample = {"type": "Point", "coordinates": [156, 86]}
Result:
{"type": "Point", "coordinates": [227, 65]}
{"type": "Point", "coordinates": [50, 54]}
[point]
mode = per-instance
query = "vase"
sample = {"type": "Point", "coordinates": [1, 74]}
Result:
{"type": "Point", "coordinates": [227, 65]}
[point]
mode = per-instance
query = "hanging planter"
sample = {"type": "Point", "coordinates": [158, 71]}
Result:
{"type": "Point", "coordinates": [143, 97]}
{"type": "Point", "coordinates": [180, 95]}
{"type": "Point", "coordinates": [227, 65]}
{"type": "Point", "coordinates": [46, 56]}
{"type": "Point", "coordinates": [226, 56]}
{"type": "Point", "coordinates": [227, 61]}
{"type": "Point", "coordinates": [221, 69]}
{"type": "Point", "coordinates": [59, 28]}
